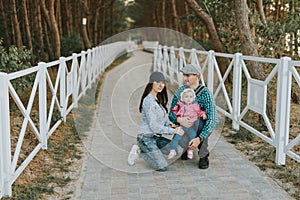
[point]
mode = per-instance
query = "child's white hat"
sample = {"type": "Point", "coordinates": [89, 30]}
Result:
{"type": "Point", "coordinates": [187, 90]}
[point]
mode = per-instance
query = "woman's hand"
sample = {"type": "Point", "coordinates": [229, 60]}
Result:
{"type": "Point", "coordinates": [179, 131]}
{"type": "Point", "coordinates": [185, 121]}
{"type": "Point", "coordinates": [194, 143]}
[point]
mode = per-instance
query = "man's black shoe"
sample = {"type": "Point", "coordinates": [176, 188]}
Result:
{"type": "Point", "coordinates": [204, 162]}
{"type": "Point", "coordinates": [162, 169]}
{"type": "Point", "coordinates": [184, 156]}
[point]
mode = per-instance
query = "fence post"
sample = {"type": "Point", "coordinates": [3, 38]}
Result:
{"type": "Point", "coordinates": [89, 68]}
{"type": "Point", "coordinates": [283, 109]}
{"type": "Point", "coordinates": [155, 53]}
{"type": "Point", "coordinates": [43, 103]}
{"type": "Point", "coordinates": [75, 82]}
{"type": "Point", "coordinates": [165, 60]}
{"type": "Point", "coordinates": [181, 64]}
{"type": "Point", "coordinates": [62, 92]}
{"type": "Point", "coordinates": [237, 87]}
{"type": "Point", "coordinates": [194, 58]}
{"type": "Point", "coordinates": [160, 58]}
{"type": "Point", "coordinates": [210, 73]}
{"type": "Point", "coordinates": [172, 64]}
{"type": "Point", "coordinates": [5, 144]}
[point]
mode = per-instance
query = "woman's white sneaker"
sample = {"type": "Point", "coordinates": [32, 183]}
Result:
{"type": "Point", "coordinates": [133, 155]}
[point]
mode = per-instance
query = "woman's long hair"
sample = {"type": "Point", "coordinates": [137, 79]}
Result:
{"type": "Point", "coordinates": [161, 96]}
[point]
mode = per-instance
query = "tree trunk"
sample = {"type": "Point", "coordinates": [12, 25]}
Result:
{"type": "Point", "coordinates": [209, 23]}
{"type": "Point", "coordinates": [96, 31]}
{"type": "Point", "coordinates": [175, 15]}
{"type": "Point", "coordinates": [27, 27]}
{"type": "Point", "coordinates": [47, 41]}
{"type": "Point", "coordinates": [76, 16]}
{"type": "Point", "coordinates": [4, 21]}
{"type": "Point", "coordinates": [58, 17]}
{"type": "Point", "coordinates": [52, 25]}
{"type": "Point", "coordinates": [111, 14]}
{"type": "Point", "coordinates": [212, 31]}
{"type": "Point", "coordinates": [39, 29]}
{"type": "Point", "coordinates": [55, 32]}
{"type": "Point", "coordinates": [68, 18]}
{"type": "Point", "coordinates": [249, 47]}
{"type": "Point", "coordinates": [155, 17]}
{"type": "Point", "coordinates": [163, 14]}
{"type": "Point", "coordinates": [86, 40]}
{"type": "Point", "coordinates": [102, 27]}
{"type": "Point", "coordinates": [97, 28]}
{"type": "Point", "coordinates": [246, 39]}
{"type": "Point", "coordinates": [189, 25]}
{"type": "Point", "coordinates": [260, 8]}
{"type": "Point", "coordinates": [16, 25]}
{"type": "Point", "coordinates": [278, 10]}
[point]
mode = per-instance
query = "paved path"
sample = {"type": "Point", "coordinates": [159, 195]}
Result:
{"type": "Point", "coordinates": [106, 175]}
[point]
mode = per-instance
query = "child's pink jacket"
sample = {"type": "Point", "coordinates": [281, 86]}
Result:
{"type": "Point", "coordinates": [192, 111]}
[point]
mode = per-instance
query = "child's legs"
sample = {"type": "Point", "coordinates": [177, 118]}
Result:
{"type": "Point", "coordinates": [198, 125]}
{"type": "Point", "coordinates": [191, 132]}
{"type": "Point", "coordinates": [174, 143]}
{"type": "Point", "coordinates": [184, 142]}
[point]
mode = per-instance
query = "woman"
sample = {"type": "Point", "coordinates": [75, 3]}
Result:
{"type": "Point", "coordinates": [154, 124]}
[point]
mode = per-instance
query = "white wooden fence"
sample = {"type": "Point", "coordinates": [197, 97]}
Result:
{"type": "Point", "coordinates": [72, 81]}
{"type": "Point", "coordinates": [69, 86]}
{"type": "Point", "coordinates": [170, 60]}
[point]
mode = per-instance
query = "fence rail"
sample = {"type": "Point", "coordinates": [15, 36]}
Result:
{"type": "Point", "coordinates": [170, 60]}
{"type": "Point", "coordinates": [69, 85]}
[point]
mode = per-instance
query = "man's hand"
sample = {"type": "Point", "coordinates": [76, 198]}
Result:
{"type": "Point", "coordinates": [185, 121]}
{"type": "Point", "coordinates": [194, 143]}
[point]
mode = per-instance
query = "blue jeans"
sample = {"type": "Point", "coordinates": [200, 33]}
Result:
{"type": "Point", "coordinates": [190, 132]}
{"type": "Point", "coordinates": [152, 149]}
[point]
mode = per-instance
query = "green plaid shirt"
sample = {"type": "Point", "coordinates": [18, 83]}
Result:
{"type": "Point", "coordinates": [207, 104]}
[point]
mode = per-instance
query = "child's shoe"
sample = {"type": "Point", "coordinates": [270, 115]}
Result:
{"type": "Point", "coordinates": [172, 154]}
{"type": "Point", "coordinates": [190, 153]}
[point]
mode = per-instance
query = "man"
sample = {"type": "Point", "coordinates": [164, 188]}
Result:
{"type": "Point", "coordinates": [191, 75]}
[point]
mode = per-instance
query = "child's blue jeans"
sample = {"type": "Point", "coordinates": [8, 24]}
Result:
{"type": "Point", "coordinates": [191, 132]}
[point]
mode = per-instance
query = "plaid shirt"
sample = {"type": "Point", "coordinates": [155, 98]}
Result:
{"type": "Point", "coordinates": [207, 104]}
